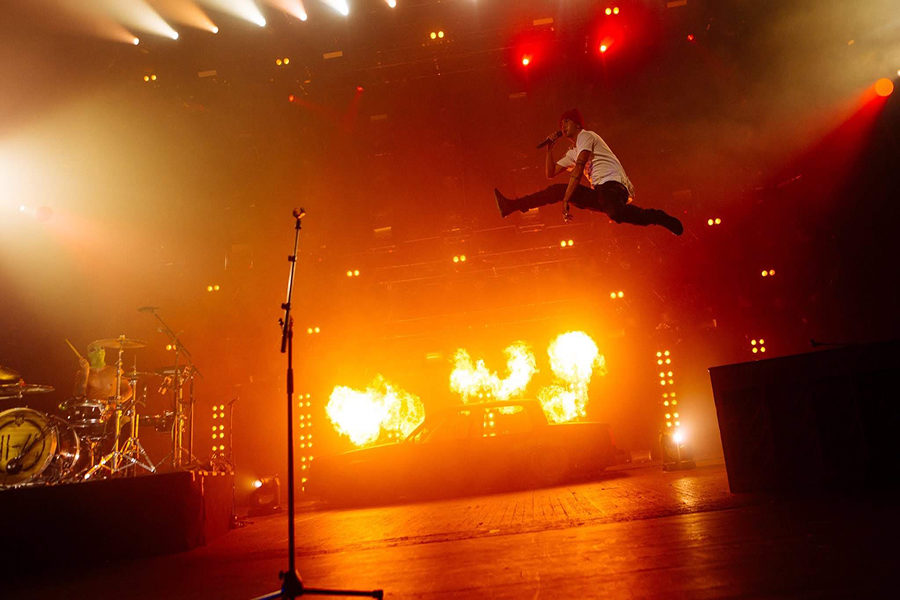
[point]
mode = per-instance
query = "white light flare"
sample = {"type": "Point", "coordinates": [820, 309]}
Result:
{"type": "Point", "coordinates": [391, 3]}
{"type": "Point", "coordinates": [381, 409]}
{"type": "Point", "coordinates": [339, 5]}
{"type": "Point", "coordinates": [295, 8]}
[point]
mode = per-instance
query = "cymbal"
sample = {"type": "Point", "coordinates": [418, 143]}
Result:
{"type": "Point", "coordinates": [185, 369]}
{"type": "Point", "coordinates": [15, 390]}
{"type": "Point", "coordinates": [133, 374]}
{"type": "Point", "coordinates": [36, 388]}
{"type": "Point", "coordinates": [119, 342]}
{"type": "Point", "coordinates": [8, 375]}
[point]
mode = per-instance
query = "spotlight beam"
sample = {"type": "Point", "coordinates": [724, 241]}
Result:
{"type": "Point", "coordinates": [187, 13]}
{"type": "Point", "coordinates": [295, 8]}
{"type": "Point", "coordinates": [243, 9]}
{"type": "Point", "coordinates": [137, 14]}
{"type": "Point", "coordinates": [339, 5]}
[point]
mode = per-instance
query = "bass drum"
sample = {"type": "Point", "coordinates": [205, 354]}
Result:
{"type": "Point", "coordinates": [35, 448]}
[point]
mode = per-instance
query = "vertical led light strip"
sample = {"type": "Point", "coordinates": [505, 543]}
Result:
{"type": "Point", "coordinates": [667, 383]}
{"type": "Point", "coordinates": [306, 437]}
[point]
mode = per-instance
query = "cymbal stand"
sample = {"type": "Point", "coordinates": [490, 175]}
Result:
{"type": "Point", "coordinates": [114, 456]}
{"type": "Point", "coordinates": [177, 455]}
{"type": "Point", "coordinates": [190, 450]}
{"type": "Point", "coordinates": [132, 450]}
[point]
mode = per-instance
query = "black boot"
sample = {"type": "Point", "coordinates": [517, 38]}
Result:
{"type": "Point", "coordinates": [671, 223]}
{"type": "Point", "coordinates": [503, 203]}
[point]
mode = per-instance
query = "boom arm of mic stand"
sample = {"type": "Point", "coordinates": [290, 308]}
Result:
{"type": "Point", "coordinates": [286, 320]}
{"type": "Point", "coordinates": [179, 347]}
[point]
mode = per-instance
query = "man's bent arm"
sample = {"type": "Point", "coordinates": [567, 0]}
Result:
{"type": "Point", "coordinates": [551, 169]}
{"type": "Point", "coordinates": [575, 178]}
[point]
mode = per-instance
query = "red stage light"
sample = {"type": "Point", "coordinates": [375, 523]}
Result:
{"type": "Point", "coordinates": [359, 89]}
{"type": "Point", "coordinates": [603, 48]}
{"type": "Point", "coordinates": [526, 60]}
{"type": "Point", "coordinates": [690, 37]}
{"type": "Point", "coordinates": [884, 87]}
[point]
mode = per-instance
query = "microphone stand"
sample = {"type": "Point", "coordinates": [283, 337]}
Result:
{"type": "Point", "coordinates": [292, 586]}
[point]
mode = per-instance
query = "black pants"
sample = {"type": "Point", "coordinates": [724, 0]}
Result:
{"type": "Point", "coordinates": [610, 197]}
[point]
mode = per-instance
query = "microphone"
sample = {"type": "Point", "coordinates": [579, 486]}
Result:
{"type": "Point", "coordinates": [148, 309]}
{"type": "Point", "coordinates": [298, 213]}
{"type": "Point", "coordinates": [550, 139]}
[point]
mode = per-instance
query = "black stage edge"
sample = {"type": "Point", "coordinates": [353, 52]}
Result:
{"type": "Point", "coordinates": [825, 420]}
{"type": "Point", "coordinates": [97, 521]}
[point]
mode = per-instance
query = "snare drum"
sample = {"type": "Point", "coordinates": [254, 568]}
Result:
{"type": "Point", "coordinates": [88, 417]}
{"type": "Point", "coordinates": [35, 447]}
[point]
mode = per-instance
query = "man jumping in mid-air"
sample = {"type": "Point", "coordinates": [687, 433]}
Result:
{"type": "Point", "coordinates": [610, 188]}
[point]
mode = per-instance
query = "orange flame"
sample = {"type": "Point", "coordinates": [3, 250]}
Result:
{"type": "Point", "coordinates": [475, 380]}
{"type": "Point", "coordinates": [559, 404]}
{"type": "Point", "coordinates": [381, 410]}
{"type": "Point", "coordinates": [573, 358]}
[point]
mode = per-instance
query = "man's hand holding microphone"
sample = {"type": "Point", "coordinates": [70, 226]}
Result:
{"type": "Point", "coordinates": [550, 139]}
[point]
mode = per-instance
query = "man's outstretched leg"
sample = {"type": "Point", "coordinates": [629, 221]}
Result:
{"type": "Point", "coordinates": [614, 202]}
{"type": "Point", "coordinates": [548, 195]}
{"type": "Point", "coordinates": [647, 216]}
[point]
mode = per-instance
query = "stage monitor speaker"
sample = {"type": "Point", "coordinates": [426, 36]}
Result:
{"type": "Point", "coordinates": [822, 420]}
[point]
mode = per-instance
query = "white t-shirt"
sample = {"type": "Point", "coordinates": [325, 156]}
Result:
{"type": "Point", "coordinates": [602, 166]}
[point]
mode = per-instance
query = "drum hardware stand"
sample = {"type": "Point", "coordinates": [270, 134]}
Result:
{"type": "Point", "coordinates": [117, 454]}
{"type": "Point", "coordinates": [292, 586]}
{"type": "Point", "coordinates": [132, 450]}
{"type": "Point", "coordinates": [177, 455]}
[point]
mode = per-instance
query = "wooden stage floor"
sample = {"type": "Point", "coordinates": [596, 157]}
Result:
{"type": "Point", "coordinates": [638, 532]}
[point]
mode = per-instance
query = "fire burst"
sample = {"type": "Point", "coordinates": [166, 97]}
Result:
{"type": "Point", "coordinates": [573, 359]}
{"type": "Point", "coordinates": [382, 409]}
{"type": "Point", "coordinates": [475, 380]}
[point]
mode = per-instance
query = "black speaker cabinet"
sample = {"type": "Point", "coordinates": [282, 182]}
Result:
{"type": "Point", "coordinates": [823, 420]}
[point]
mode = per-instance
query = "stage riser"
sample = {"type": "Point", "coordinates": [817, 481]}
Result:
{"type": "Point", "coordinates": [823, 420]}
{"type": "Point", "coordinates": [119, 518]}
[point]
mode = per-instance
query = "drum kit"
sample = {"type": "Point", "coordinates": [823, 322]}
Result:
{"type": "Point", "coordinates": [91, 438]}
